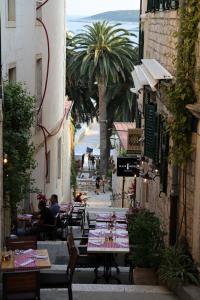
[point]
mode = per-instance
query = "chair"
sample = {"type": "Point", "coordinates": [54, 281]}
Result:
{"type": "Point", "coordinates": [21, 285]}
{"type": "Point", "coordinates": [91, 222]}
{"type": "Point", "coordinates": [49, 231]}
{"type": "Point", "coordinates": [84, 260]}
{"type": "Point", "coordinates": [21, 243]}
{"type": "Point", "coordinates": [76, 218]}
{"type": "Point", "coordinates": [61, 280]}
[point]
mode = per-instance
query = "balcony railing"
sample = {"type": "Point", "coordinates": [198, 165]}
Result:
{"type": "Point", "coordinates": [160, 5]}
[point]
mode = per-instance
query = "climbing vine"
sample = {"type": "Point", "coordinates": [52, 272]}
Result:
{"type": "Point", "coordinates": [19, 113]}
{"type": "Point", "coordinates": [182, 91]}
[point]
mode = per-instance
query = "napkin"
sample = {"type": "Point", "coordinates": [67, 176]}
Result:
{"type": "Point", "coordinates": [96, 243]}
{"type": "Point", "coordinates": [27, 262]}
{"type": "Point", "coordinates": [38, 256]}
{"type": "Point", "coordinates": [27, 251]}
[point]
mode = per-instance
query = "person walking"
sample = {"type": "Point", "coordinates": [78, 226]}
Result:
{"type": "Point", "coordinates": [82, 160]}
{"type": "Point", "coordinates": [93, 161]}
{"type": "Point", "coordinates": [97, 184]}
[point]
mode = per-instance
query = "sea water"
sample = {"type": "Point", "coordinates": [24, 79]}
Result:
{"type": "Point", "coordinates": [75, 25]}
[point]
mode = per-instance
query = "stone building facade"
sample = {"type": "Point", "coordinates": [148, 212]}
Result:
{"type": "Point", "coordinates": [178, 204]}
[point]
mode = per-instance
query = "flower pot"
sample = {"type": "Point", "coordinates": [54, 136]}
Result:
{"type": "Point", "coordinates": [145, 276]}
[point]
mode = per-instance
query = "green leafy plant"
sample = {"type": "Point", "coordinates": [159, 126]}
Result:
{"type": "Point", "coordinates": [177, 267]}
{"type": "Point", "coordinates": [19, 112]}
{"type": "Point", "coordinates": [146, 235]}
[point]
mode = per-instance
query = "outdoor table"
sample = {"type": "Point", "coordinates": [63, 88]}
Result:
{"type": "Point", "coordinates": [24, 221]}
{"type": "Point", "coordinates": [108, 242]}
{"type": "Point", "coordinates": [110, 217]}
{"type": "Point", "coordinates": [24, 217]}
{"type": "Point", "coordinates": [65, 208]}
{"type": "Point", "coordinates": [106, 225]}
{"type": "Point", "coordinates": [26, 260]}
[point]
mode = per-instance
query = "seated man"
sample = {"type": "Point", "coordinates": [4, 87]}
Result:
{"type": "Point", "coordinates": [54, 208]}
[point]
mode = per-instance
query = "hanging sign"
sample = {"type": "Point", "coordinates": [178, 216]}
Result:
{"type": "Point", "coordinates": [127, 166]}
{"type": "Point", "coordinates": [134, 144]}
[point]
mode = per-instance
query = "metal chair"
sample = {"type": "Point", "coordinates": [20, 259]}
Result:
{"type": "Point", "coordinates": [21, 285]}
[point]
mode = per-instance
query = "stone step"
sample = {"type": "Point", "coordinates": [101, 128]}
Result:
{"type": "Point", "coordinates": [109, 292]}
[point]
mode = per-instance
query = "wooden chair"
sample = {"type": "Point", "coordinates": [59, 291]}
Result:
{"type": "Point", "coordinates": [61, 280]}
{"type": "Point", "coordinates": [21, 243]}
{"type": "Point", "coordinates": [49, 232]}
{"type": "Point", "coordinates": [84, 260]}
{"type": "Point", "coordinates": [21, 285]}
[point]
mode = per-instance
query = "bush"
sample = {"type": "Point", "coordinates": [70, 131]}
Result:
{"type": "Point", "coordinates": [146, 235]}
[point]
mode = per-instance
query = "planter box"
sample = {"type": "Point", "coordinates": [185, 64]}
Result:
{"type": "Point", "coordinates": [145, 276]}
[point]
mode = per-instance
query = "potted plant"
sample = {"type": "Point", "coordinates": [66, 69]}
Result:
{"type": "Point", "coordinates": [146, 236]}
{"type": "Point", "coordinates": [177, 268]}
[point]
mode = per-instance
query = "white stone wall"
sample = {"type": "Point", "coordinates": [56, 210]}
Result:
{"type": "Point", "coordinates": [21, 45]}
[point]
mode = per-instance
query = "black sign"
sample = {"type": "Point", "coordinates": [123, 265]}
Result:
{"type": "Point", "coordinates": [127, 166]}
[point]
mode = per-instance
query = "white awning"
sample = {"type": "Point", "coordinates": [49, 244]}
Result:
{"type": "Point", "coordinates": [150, 72]}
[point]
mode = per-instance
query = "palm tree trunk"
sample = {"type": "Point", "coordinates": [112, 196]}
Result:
{"type": "Point", "coordinates": [103, 127]}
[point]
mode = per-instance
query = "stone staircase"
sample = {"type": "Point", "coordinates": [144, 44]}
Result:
{"type": "Point", "coordinates": [109, 292]}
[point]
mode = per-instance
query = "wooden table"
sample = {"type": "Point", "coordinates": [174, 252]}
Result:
{"type": "Point", "coordinates": [9, 265]}
{"type": "Point", "coordinates": [24, 217]}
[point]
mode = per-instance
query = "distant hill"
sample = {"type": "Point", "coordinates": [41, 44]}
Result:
{"type": "Point", "coordinates": [117, 15]}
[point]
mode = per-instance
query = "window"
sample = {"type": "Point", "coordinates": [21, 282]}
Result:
{"type": "Point", "coordinates": [11, 11]}
{"type": "Point", "coordinates": [164, 151]}
{"type": "Point", "coordinates": [153, 5]}
{"type": "Point", "coordinates": [12, 75]}
{"type": "Point", "coordinates": [38, 11]}
{"type": "Point", "coordinates": [48, 171]}
{"type": "Point", "coordinates": [59, 157]}
{"type": "Point", "coordinates": [152, 129]}
{"type": "Point", "coordinates": [38, 86]}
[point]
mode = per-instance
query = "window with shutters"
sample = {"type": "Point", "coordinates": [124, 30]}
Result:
{"type": "Point", "coordinates": [152, 136]}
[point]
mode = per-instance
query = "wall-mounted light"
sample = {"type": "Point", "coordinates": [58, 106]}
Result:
{"type": "Point", "coordinates": [5, 159]}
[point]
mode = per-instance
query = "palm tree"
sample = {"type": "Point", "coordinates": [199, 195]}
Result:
{"type": "Point", "coordinates": [103, 52]}
{"type": "Point", "coordinates": [84, 108]}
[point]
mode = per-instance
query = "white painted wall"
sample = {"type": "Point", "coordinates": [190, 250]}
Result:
{"type": "Point", "coordinates": [21, 45]}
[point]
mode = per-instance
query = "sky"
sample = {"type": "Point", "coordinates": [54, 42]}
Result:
{"type": "Point", "coordinates": [91, 7]}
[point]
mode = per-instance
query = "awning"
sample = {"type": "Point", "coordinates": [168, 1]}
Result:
{"type": "Point", "coordinates": [122, 131]}
{"type": "Point", "coordinates": [150, 72]}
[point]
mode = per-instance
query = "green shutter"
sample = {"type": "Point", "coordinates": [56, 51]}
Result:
{"type": "Point", "coordinates": [152, 135]}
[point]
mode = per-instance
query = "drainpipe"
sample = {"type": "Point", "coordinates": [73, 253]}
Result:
{"type": "Point", "coordinates": [174, 197]}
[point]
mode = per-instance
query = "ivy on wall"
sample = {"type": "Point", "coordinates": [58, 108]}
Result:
{"type": "Point", "coordinates": [182, 91]}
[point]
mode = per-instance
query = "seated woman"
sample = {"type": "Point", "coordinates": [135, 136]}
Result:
{"type": "Point", "coordinates": [46, 216]}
